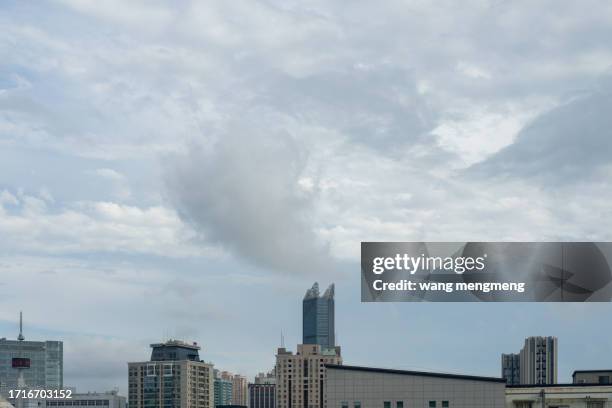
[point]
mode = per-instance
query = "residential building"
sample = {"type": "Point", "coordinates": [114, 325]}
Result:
{"type": "Point", "coordinates": [110, 399]}
{"type": "Point", "coordinates": [592, 377]}
{"type": "Point", "coordinates": [538, 361]}
{"type": "Point", "coordinates": [267, 378]}
{"type": "Point", "coordinates": [175, 377]}
{"type": "Point", "coordinates": [239, 387]}
{"type": "Point", "coordinates": [262, 395]}
{"type": "Point", "coordinates": [31, 364]}
{"type": "Point", "coordinates": [367, 387]}
{"type": "Point", "coordinates": [318, 326]}
{"type": "Point", "coordinates": [223, 390]}
{"type": "Point", "coordinates": [510, 366]}
{"type": "Point", "coordinates": [559, 396]}
{"type": "Point", "coordinates": [300, 376]}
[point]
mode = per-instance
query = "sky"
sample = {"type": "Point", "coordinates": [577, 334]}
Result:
{"type": "Point", "coordinates": [188, 169]}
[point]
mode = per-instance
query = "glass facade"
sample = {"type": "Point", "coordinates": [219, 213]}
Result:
{"type": "Point", "coordinates": [318, 326]}
{"type": "Point", "coordinates": [46, 364]}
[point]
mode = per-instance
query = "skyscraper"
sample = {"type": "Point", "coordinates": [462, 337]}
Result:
{"type": "Point", "coordinates": [223, 390]}
{"type": "Point", "coordinates": [511, 368]}
{"type": "Point", "coordinates": [538, 363]}
{"type": "Point", "coordinates": [175, 377]}
{"type": "Point", "coordinates": [39, 363]}
{"type": "Point", "coordinates": [318, 324]}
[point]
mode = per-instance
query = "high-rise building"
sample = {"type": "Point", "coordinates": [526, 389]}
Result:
{"type": "Point", "coordinates": [175, 377]}
{"type": "Point", "coordinates": [239, 387]}
{"type": "Point", "coordinates": [223, 390]}
{"type": "Point", "coordinates": [30, 364]}
{"type": "Point", "coordinates": [510, 365]}
{"type": "Point", "coordinates": [262, 395]}
{"type": "Point", "coordinates": [300, 377]}
{"type": "Point", "coordinates": [267, 378]}
{"type": "Point", "coordinates": [538, 361]}
{"type": "Point", "coordinates": [318, 324]}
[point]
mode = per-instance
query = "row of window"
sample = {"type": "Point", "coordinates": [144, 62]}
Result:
{"type": "Point", "coordinates": [398, 404]}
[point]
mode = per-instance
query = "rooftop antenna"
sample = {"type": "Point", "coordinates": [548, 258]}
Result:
{"type": "Point", "coordinates": [20, 337]}
{"type": "Point", "coordinates": [282, 340]}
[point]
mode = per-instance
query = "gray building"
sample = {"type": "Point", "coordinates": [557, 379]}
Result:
{"type": "Point", "coordinates": [592, 377]}
{"type": "Point", "coordinates": [40, 363]}
{"type": "Point", "coordinates": [109, 399]}
{"type": "Point", "coordinates": [262, 395]}
{"type": "Point", "coordinates": [510, 368]}
{"type": "Point", "coordinates": [538, 363]}
{"type": "Point", "coordinates": [559, 396]}
{"type": "Point", "coordinates": [365, 387]}
{"type": "Point", "coordinates": [175, 377]}
{"type": "Point", "coordinates": [318, 325]}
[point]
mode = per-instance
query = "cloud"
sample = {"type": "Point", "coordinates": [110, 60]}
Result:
{"type": "Point", "coordinates": [244, 193]}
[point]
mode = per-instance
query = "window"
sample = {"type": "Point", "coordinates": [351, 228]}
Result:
{"type": "Point", "coordinates": [387, 404]}
{"type": "Point", "coordinates": [595, 404]}
{"type": "Point", "coordinates": [444, 404]}
{"type": "Point", "coordinates": [399, 404]}
{"type": "Point", "coordinates": [604, 379]}
{"type": "Point", "coordinates": [357, 404]}
{"type": "Point", "coordinates": [432, 404]}
{"type": "Point", "coordinates": [344, 404]}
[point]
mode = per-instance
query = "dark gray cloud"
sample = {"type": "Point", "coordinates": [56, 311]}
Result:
{"type": "Point", "coordinates": [244, 193]}
{"type": "Point", "coordinates": [565, 145]}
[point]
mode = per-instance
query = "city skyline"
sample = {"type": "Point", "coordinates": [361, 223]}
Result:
{"type": "Point", "coordinates": [185, 169]}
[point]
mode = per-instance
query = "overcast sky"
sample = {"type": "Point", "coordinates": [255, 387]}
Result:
{"type": "Point", "coordinates": [188, 169]}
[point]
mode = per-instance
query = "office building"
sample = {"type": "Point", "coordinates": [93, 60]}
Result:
{"type": "Point", "coordinates": [511, 364]}
{"type": "Point", "coordinates": [318, 326]}
{"type": "Point", "coordinates": [538, 361]}
{"type": "Point", "coordinates": [223, 390]}
{"type": "Point", "coordinates": [366, 387]}
{"type": "Point", "coordinates": [109, 399]}
{"type": "Point", "coordinates": [175, 377]}
{"type": "Point", "coordinates": [267, 378]}
{"type": "Point", "coordinates": [300, 377]}
{"type": "Point", "coordinates": [559, 396]}
{"type": "Point", "coordinates": [262, 395]}
{"type": "Point", "coordinates": [40, 364]}
{"type": "Point", "coordinates": [592, 377]}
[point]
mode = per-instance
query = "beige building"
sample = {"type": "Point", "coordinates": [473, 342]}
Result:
{"type": "Point", "coordinates": [175, 377]}
{"type": "Point", "coordinates": [300, 377]}
{"type": "Point", "coordinates": [240, 387]}
{"type": "Point", "coordinates": [559, 396]}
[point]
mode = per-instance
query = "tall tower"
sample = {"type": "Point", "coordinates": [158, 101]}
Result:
{"type": "Point", "coordinates": [318, 325]}
{"type": "Point", "coordinates": [538, 361]}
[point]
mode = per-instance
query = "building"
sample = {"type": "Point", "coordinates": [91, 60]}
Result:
{"type": "Point", "coordinates": [4, 403]}
{"type": "Point", "coordinates": [239, 387]}
{"type": "Point", "coordinates": [40, 364]}
{"type": "Point", "coordinates": [592, 377]}
{"type": "Point", "coordinates": [559, 396]}
{"type": "Point", "coordinates": [357, 387]}
{"type": "Point", "coordinates": [175, 377]}
{"type": "Point", "coordinates": [267, 378]}
{"type": "Point", "coordinates": [300, 376]}
{"type": "Point", "coordinates": [262, 395]}
{"type": "Point", "coordinates": [318, 326]}
{"type": "Point", "coordinates": [109, 399]}
{"type": "Point", "coordinates": [538, 361]}
{"type": "Point", "coordinates": [510, 368]}
{"type": "Point", "coordinates": [223, 390]}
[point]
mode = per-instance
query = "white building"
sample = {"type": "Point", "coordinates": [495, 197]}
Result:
{"type": "Point", "coordinates": [559, 396]}
{"type": "Point", "coordinates": [108, 399]}
{"type": "Point", "coordinates": [365, 387]}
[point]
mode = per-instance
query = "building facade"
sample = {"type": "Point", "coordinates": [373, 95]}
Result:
{"type": "Point", "coordinates": [109, 399]}
{"type": "Point", "coordinates": [239, 387]}
{"type": "Point", "coordinates": [538, 361]}
{"type": "Point", "coordinates": [318, 325]}
{"type": "Point", "coordinates": [223, 390]}
{"type": "Point", "coordinates": [592, 377]}
{"type": "Point", "coordinates": [559, 396]}
{"type": "Point", "coordinates": [175, 377]}
{"type": "Point", "coordinates": [511, 368]}
{"type": "Point", "coordinates": [300, 377]}
{"type": "Point", "coordinates": [262, 395]}
{"type": "Point", "coordinates": [366, 387]}
{"type": "Point", "coordinates": [45, 361]}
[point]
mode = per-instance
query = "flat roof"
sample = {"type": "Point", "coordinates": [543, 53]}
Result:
{"type": "Point", "coordinates": [421, 373]}
{"type": "Point", "coordinates": [558, 385]}
{"type": "Point", "coordinates": [591, 371]}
